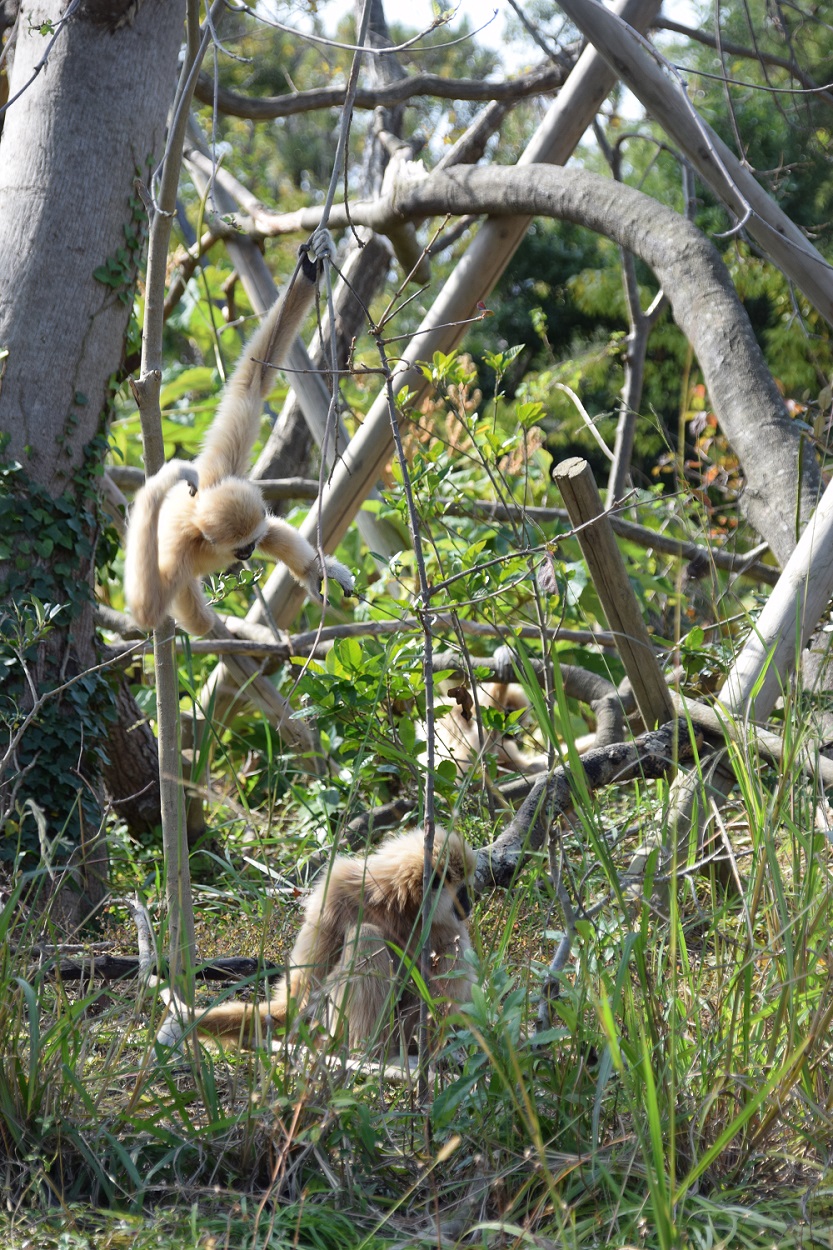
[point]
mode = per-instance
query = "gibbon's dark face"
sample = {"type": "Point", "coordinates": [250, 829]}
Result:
{"type": "Point", "coordinates": [243, 553]}
{"type": "Point", "coordinates": [462, 901]}
{"type": "Point", "coordinates": [460, 895]}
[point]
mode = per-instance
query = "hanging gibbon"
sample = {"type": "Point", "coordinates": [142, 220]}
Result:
{"type": "Point", "coordinates": [191, 519]}
{"type": "Point", "coordinates": [351, 963]}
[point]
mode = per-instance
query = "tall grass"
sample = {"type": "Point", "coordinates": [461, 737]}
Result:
{"type": "Point", "coordinates": [681, 1097]}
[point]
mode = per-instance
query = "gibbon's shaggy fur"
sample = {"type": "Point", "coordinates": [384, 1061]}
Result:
{"type": "Point", "coordinates": [350, 962]}
{"type": "Point", "coordinates": [457, 737]}
{"type": "Point", "coordinates": [190, 519]}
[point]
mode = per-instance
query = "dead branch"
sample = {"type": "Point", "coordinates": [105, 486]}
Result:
{"type": "Point", "coordinates": [540, 81]}
{"type": "Point", "coordinates": [716, 163]}
{"type": "Point", "coordinates": [300, 644]}
{"type": "Point", "coordinates": [574, 479]}
{"type": "Point", "coordinates": [361, 828]}
{"type": "Point", "coordinates": [121, 967]}
{"type": "Point", "coordinates": [649, 756]}
{"type": "Point", "coordinates": [703, 299]}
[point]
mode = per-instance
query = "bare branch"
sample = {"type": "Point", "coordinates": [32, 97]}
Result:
{"type": "Point", "coordinates": [540, 81]}
{"type": "Point", "coordinates": [716, 164]}
{"type": "Point", "coordinates": [751, 54]}
{"type": "Point", "coordinates": [704, 303]}
{"type": "Point", "coordinates": [650, 755]}
{"type": "Point", "coordinates": [681, 548]}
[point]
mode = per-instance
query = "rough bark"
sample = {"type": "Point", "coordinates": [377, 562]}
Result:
{"type": "Point", "coordinates": [70, 240]}
{"type": "Point", "coordinates": [73, 143]}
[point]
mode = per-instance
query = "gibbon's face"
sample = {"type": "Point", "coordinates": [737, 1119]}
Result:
{"type": "Point", "coordinates": [453, 903]}
{"type": "Point", "coordinates": [454, 880]}
{"type": "Point", "coordinates": [462, 901]}
{"type": "Point", "coordinates": [231, 517]}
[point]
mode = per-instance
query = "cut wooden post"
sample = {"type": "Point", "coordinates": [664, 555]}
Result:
{"type": "Point", "coordinates": [574, 479]}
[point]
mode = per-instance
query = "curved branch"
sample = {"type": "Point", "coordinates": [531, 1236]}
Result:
{"type": "Point", "coordinates": [704, 303]}
{"type": "Point", "coordinates": [650, 755]}
{"type": "Point", "coordinates": [703, 299]}
{"type": "Point", "coordinates": [600, 695]}
{"type": "Point", "coordinates": [538, 82]}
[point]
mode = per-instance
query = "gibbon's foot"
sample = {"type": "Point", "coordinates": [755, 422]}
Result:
{"type": "Point", "coordinates": [172, 1028]}
{"type": "Point", "coordinates": [174, 471]}
{"type": "Point", "coordinates": [322, 245]}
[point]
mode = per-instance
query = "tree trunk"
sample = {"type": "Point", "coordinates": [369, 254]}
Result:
{"type": "Point", "coordinates": [71, 235]}
{"type": "Point", "coordinates": [131, 773]}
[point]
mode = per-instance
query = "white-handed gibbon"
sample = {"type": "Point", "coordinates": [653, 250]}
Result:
{"type": "Point", "coordinates": [352, 962]}
{"type": "Point", "coordinates": [456, 732]}
{"type": "Point", "coordinates": [457, 737]}
{"type": "Point", "coordinates": [195, 518]}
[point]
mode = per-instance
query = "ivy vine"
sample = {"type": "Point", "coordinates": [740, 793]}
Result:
{"type": "Point", "coordinates": [49, 548]}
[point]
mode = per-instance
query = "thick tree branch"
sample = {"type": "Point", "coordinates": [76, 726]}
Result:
{"type": "Point", "coordinates": [716, 164]}
{"type": "Point", "coordinates": [704, 303]}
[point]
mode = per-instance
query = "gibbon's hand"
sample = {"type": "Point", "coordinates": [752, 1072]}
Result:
{"type": "Point", "coordinates": [335, 570]}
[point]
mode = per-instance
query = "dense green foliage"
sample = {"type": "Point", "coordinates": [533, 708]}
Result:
{"type": "Point", "coordinates": [677, 1092]}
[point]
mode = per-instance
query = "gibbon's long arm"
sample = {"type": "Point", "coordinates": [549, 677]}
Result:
{"type": "Point", "coordinates": [233, 1024]}
{"type": "Point", "coordinates": [227, 449]}
{"type": "Point", "coordinates": [177, 537]}
{"type": "Point", "coordinates": [286, 544]}
{"type": "Point", "coordinates": [147, 593]}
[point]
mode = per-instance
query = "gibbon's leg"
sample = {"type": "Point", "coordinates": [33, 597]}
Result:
{"type": "Point", "coordinates": [232, 1023]}
{"type": "Point", "coordinates": [190, 609]}
{"type": "Point", "coordinates": [147, 592]}
{"type": "Point", "coordinates": [286, 544]}
{"type": "Point", "coordinates": [362, 990]}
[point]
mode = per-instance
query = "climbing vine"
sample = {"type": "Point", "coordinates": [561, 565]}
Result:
{"type": "Point", "coordinates": [49, 549]}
